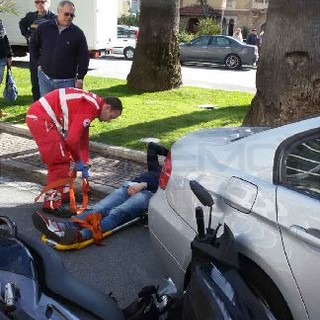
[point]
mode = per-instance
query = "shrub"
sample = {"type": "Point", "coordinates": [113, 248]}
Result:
{"type": "Point", "coordinates": [184, 36]}
{"type": "Point", "coordinates": [129, 20]}
{"type": "Point", "coordinates": [207, 26]}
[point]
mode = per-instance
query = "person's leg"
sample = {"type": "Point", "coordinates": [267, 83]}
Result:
{"type": "Point", "coordinates": [134, 207]}
{"type": "Point", "coordinates": [45, 83]}
{"type": "Point", "coordinates": [104, 206]}
{"type": "Point", "coordinates": [3, 63]}
{"type": "Point", "coordinates": [34, 81]}
{"type": "Point", "coordinates": [54, 153]}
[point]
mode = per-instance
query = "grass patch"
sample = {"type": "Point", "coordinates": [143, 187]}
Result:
{"type": "Point", "coordinates": [166, 115]}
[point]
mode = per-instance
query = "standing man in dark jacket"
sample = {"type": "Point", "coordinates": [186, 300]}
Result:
{"type": "Point", "coordinates": [5, 51]}
{"type": "Point", "coordinates": [253, 38]}
{"type": "Point", "coordinates": [60, 51]}
{"type": "Point", "coordinates": [28, 26]}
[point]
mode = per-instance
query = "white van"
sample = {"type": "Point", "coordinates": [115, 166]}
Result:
{"type": "Point", "coordinates": [125, 43]}
{"type": "Point", "coordinates": [97, 19]}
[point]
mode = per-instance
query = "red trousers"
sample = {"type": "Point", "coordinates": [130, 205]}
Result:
{"type": "Point", "coordinates": [54, 154]}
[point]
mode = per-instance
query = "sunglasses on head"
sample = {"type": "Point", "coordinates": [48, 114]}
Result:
{"type": "Point", "coordinates": [40, 2]}
{"type": "Point", "coordinates": [69, 14]}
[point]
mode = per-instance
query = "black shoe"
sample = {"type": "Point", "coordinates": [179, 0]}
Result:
{"type": "Point", "coordinates": [52, 230]}
{"type": "Point", "coordinates": [78, 198]}
{"type": "Point", "coordinates": [62, 212]}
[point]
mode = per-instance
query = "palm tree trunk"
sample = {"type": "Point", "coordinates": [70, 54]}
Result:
{"type": "Point", "coordinates": [288, 75]}
{"type": "Point", "coordinates": [156, 64]}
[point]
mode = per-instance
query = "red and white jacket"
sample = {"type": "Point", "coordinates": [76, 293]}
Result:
{"type": "Point", "coordinates": [70, 111]}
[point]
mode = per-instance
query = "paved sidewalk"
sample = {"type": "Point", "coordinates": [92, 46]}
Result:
{"type": "Point", "coordinates": [111, 166]}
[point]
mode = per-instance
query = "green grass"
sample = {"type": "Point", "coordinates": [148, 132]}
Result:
{"type": "Point", "coordinates": [166, 115]}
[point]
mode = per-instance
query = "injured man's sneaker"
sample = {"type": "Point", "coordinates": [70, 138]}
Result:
{"type": "Point", "coordinates": [53, 230]}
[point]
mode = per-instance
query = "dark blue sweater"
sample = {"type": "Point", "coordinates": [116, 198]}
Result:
{"type": "Point", "coordinates": [61, 55]}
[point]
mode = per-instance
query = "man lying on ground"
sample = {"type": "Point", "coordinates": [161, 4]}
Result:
{"type": "Point", "coordinates": [131, 200]}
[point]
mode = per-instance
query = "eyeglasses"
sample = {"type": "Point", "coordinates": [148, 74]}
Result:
{"type": "Point", "coordinates": [40, 2]}
{"type": "Point", "coordinates": [69, 14]}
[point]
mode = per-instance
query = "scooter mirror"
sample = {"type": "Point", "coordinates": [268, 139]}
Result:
{"type": "Point", "coordinates": [201, 193]}
{"type": "Point", "coordinates": [7, 227]}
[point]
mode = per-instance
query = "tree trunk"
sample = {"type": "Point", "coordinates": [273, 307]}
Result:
{"type": "Point", "coordinates": [156, 63]}
{"type": "Point", "coordinates": [288, 75]}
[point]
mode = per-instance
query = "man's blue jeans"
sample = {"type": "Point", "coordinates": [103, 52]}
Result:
{"type": "Point", "coordinates": [47, 84]}
{"type": "Point", "coordinates": [3, 63]}
{"type": "Point", "coordinates": [116, 209]}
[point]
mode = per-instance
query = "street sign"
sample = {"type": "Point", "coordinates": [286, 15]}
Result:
{"type": "Point", "coordinates": [223, 4]}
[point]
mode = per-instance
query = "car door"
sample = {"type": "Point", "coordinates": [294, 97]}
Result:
{"type": "Point", "coordinates": [298, 211]}
{"type": "Point", "coordinates": [221, 49]}
{"type": "Point", "coordinates": [198, 49]}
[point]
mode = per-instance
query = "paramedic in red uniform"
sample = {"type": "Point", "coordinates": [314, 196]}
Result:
{"type": "Point", "coordinates": [59, 123]}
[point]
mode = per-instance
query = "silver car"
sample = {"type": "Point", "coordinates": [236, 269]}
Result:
{"type": "Point", "coordinates": [219, 49]}
{"type": "Point", "coordinates": [266, 187]}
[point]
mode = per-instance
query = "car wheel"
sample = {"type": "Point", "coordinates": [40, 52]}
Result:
{"type": "Point", "coordinates": [128, 53]}
{"type": "Point", "coordinates": [265, 290]}
{"type": "Point", "coordinates": [232, 62]}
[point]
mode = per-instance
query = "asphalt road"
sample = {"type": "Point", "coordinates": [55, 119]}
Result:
{"type": "Point", "coordinates": [205, 75]}
{"type": "Point", "coordinates": [123, 265]}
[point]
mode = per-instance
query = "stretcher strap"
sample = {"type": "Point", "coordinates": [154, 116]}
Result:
{"type": "Point", "coordinates": [70, 181]}
{"type": "Point", "coordinates": [85, 197]}
{"type": "Point", "coordinates": [93, 223]}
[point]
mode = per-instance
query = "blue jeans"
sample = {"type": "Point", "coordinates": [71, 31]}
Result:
{"type": "Point", "coordinates": [116, 209]}
{"type": "Point", "coordinates": [3, 63]}
{"type": "Point", "coordinates": [47, 84]}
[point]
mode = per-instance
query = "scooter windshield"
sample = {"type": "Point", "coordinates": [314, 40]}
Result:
{"type": "Point", "coordinates": [15, 257]}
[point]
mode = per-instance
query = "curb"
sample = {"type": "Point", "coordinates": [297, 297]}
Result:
{"type": "Point", "coordinates": [31, 173]}
{"type": "Point", "coordinates": [103, 149]}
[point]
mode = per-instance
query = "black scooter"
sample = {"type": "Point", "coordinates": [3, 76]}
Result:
{"type": "Point", "coordinates": [29, 288]}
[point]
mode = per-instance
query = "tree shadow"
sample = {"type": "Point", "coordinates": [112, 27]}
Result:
{"type": "Point", "coordinates": [156, 128]}
{"type": "Point", "coordinates": [120, 90]}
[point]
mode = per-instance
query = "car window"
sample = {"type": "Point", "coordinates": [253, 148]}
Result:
{"type": "Point", "coordinates": [302, 168]}
{"type": "Point", "coordinates": [222, 41]}
{"type": "Point", "coordinates": [201, 41]}
{"type": "Point", "coordinates": [126, 33]}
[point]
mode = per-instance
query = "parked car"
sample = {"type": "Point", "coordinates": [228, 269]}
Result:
{"type": "Point", "coordinates": [266, 188]}
{"type": "Point", "coordinates": [125, 43]}
{"type": "Point", "coordinates": [219, 49]}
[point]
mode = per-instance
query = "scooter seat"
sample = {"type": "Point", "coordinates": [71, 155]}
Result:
{"type": "Point", "coordinates": [59, 281]}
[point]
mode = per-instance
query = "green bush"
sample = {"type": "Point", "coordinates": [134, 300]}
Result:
{"type": "Point", "coordinates": [129, 20]}
{"type": "Point", "coordinates": [184, 36]}
{"type": "Point", "coordinates": [207, 26]}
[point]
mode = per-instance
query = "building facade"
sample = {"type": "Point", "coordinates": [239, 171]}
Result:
{"type": "Point", "coordinates": [229, 13]}
{"type": "Point", "coordinates": [128, 7]}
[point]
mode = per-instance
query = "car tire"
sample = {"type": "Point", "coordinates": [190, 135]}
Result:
{"type": "Point", "coordinates": [264, 289]}
{"type": "Point", "coordinates": [232, 62]}
{"type": "Point", "coordinates": [128, 53]}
